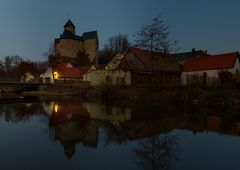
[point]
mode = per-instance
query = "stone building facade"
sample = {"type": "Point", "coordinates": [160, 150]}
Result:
{"type": "Point", "coordinates": [69, 44]}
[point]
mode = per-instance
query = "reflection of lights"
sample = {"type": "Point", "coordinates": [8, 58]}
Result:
{"type": "Point", "coordinates": [116, 123]}
{"type": "Point", "coordinates": [55, 75]}
{"type": "Point", "coordinates": [56, 108]}
{"type": "Point", "coordinates": [69, 116]}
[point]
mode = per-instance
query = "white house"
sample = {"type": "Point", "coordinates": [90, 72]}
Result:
{"type": "Point", "coordinates": [47, 76]}
{"type": "Point", "coordinates": [208, 68]}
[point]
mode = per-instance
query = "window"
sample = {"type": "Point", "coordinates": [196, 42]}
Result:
{"type": "Point", "coordinates": [108, 78]}
{"type": "Point", "coordinates": [120, 81]}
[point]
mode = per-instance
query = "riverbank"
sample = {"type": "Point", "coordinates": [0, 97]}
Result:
{"type": "Point", "coordinates": [215, 96]}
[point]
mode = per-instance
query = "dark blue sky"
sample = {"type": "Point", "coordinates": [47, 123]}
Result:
{"type": "Point", "coordinates": [28, 26]}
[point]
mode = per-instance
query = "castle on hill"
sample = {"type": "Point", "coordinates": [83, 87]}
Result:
{"type": "Point", "coordinates": [69, 44]}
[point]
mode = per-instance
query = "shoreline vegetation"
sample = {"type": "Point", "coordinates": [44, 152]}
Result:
{"type": "Point", "coordinates": [182, 95]}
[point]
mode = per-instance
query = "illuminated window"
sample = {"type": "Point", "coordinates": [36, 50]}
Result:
{"type": "Point", "coordinates": [56, 75]}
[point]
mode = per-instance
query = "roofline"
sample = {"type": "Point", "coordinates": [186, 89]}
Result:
{"type": "Point", "coordinates": [192, 52]}
{"type": "Point", "coordinates": [209, 69]}
{"type": "Point", "coordinates": [217, 55]}
{"type": "Point", "coordinates": [131, 50]}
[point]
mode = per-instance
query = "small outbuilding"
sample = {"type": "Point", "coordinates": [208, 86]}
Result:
{"type": "Point", "coordinates": [27, 77]}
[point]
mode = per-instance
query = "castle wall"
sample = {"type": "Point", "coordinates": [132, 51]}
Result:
{"type": "Point", "coordinates": [91, 48]}
{"type": "Point", "coordinates": [68, 47]}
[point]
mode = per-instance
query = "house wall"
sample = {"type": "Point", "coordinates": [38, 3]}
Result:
{"type": "Point", "coordinates": [108, 77]}
{"type": "Point", "coordinates": [47, 76]}
{"type": "Point", "coordinates": [131, 63]}
{"type": "Point", "coordinates": [68, 47]}
{"type": "Point", "coordinates": [212, 75]}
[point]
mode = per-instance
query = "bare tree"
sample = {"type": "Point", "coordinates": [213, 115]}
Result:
{"type": "Point", "coordinates": [155, 36]}
{"type": "Point", "coordinates": [7, 63]}
{"type": "Point", "coordinates": [117, 43]}
{"type": "Point", "coordinates": [50, 50]}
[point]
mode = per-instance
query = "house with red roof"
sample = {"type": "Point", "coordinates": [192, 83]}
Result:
{"type": "Point", "coordinates": [207, 69]}
{"type": "Point", "coordinates": [147, 66]}
{"type": "Point", "coordinates": [66, 72]}
{"type": "Point", "coordinates": [139, 60]}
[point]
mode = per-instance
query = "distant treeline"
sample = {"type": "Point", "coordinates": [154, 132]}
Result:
{"type": "Point", "coordinates": [13, 67]}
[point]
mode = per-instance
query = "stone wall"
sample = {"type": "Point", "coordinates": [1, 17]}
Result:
{"type": "Point", "coordinates": [68, 47]}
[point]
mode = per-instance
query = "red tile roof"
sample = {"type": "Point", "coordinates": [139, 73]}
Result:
{"type": "Point", "coordinates": [221, 61]}
{"type": "Point", "coordinates": [146, 56]}
{"type": "Point", "coordinates": [71, 72]}
{"type": "Point", "coordinates": [65, 64]}
{"type": "Point", "coordinates": [156, 60]}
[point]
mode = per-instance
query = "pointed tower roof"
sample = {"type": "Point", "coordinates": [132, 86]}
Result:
{"type": "Point", "coordinates": [69, 23]}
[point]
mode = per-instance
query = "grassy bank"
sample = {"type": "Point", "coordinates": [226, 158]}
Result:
{"type": "Point", "coordinates": [215, 96]}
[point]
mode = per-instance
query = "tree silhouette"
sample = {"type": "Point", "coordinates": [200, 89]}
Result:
{"type": "Point", "coordinates": [155, 36]}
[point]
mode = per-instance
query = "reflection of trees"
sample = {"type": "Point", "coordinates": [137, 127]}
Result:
{"type": "Point", "coordinates": [18, 112]}
{"type": "Point", "coordinates": [156, 152]}
{"type": "Point", "coordinates": [114, 134]}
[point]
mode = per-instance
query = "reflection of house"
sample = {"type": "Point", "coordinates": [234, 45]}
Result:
{"type": "Point", "coordinates": [69, 44]}
{"type": "Point", "coordinates": [88, 110]}
{"type": "Point", "coordinates": [65, 111]}
{"type": "Point", "coordinates": [206, 69]}
{"type": "Point", "coordinates": [196, 123]}
{"type": "Point", "coordinates": [218, 125]}
{"type": "Point", "coordinates": [107, 113]}
{"type": "Point", "coordinates": [211, 124]}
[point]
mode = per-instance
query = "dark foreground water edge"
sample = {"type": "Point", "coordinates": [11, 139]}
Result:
{"type": "Point", "coordinates": [77, 134]}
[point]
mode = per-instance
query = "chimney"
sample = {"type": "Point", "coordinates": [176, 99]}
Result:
{"type": "Point", "coordinates": [193, 50]}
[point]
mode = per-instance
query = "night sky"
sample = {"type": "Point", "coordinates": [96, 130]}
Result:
{"type": "Point", "coordinates": [28, 26]}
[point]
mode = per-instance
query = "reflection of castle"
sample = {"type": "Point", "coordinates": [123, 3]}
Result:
{"type": "Point", "coordinates": [70, 125]}
{"type": "Point", "coordinates": [77, 123]}
{"type": "Point", "coordinates": [71, 132]}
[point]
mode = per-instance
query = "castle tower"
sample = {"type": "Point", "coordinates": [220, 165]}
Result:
{"type": "Point", "coordinates": [69, 44]}
{"type": "Point", "coordinates": [69, 26]}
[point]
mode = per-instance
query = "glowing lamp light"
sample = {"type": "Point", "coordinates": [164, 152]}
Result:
{"type": "Point", "coordinates": [56, 108]}
{"type": "Point", "coordinates": [56, 75]}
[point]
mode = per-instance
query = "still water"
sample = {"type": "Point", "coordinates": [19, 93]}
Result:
{"type": "Point", "coordinates": [81, 135]}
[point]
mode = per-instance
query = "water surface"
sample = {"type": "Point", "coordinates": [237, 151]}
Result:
{"type": "Point", "coordinates": [82, 135]}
